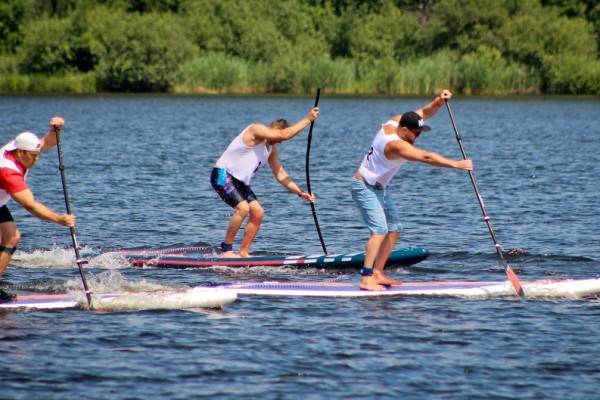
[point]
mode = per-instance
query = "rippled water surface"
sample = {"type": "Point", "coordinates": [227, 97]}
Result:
{"type": "Point", "coordinates": [138, 173]}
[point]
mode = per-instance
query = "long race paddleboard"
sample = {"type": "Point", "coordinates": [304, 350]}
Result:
{"type": "Point", "coordinates": [158, 300]}
{"type": "Point", "coordinates": [537, 289]}
{"type": "Point", "coordinates": [195, 257]}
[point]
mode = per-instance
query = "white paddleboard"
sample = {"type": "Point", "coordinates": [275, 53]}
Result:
{"type": "Point", "coordinates": [158, 300]}
{"type": "Point", "coordinates": [536, 289]}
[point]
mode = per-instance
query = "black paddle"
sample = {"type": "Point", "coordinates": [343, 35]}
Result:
{"type": "Point", "coordinates": [312, 206]}
{"type": "Point", "coordinates": [512, 276]}
{"type": "Point", "coordinates": [63, 178]}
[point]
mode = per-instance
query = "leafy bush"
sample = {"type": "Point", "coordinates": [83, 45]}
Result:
{"type": "Point", "coordinates": [569, 73]}
{"type": "Point", "coordinates": [140, 53]}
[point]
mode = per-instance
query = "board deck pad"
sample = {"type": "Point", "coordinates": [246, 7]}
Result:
{"type": "Point", "coordinates": [534, 289]}
{"type": "Point", "coordinates": [196, 257]}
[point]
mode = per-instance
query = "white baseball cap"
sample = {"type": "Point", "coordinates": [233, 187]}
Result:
{"type": "Point", "coordinates": [27, 141]}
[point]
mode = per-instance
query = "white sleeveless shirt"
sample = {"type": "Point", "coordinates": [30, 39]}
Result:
{"type": "Point", "coordinates": [6, 163]}
{"type": "Point", "coordinates": [375, 166]}
{"type": "Point", "coordinates": [242, 161]}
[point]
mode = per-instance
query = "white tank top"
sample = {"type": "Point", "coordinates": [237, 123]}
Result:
{"type": "Point", "coordinates": [6, 163]}
{"type": "Point", "coordinates": [242, 161]}
{"type": "Point", "coordinates": [375, 166]}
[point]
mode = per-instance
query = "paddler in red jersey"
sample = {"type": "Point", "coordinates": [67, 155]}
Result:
{"type": "Point", "coordinates": [392, 146]}
{"type": "Point", "coordinates": [232, 173]}
{"type": "Point", "coordinates": [16, 158]}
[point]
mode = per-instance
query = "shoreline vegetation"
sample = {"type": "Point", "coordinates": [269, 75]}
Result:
{"type": "Point", "coordinates": [347, 47]}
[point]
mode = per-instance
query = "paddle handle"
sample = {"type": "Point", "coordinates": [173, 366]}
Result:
{"type": "Point", "coordinates": [307, 168]}
{"type": "Point", "coordinates": [63, 178]}
{"type": "Point", "coordinates": [486, 218]}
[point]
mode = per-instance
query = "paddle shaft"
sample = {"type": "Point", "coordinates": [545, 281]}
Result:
{"type": "Point", "coordinates": [509, 272]}
{"type": "Point", "coordinates": [312, 205]}
{"type": "Point", "coordinates": [63, 178]}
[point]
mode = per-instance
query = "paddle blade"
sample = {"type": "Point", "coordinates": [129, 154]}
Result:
{"type": "Point", "coordinates": [512, 277]}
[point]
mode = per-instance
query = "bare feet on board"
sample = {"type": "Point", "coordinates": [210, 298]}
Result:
{"type": "Point", "coordinates": [230, 254]}
{"type": "Point", "coordinates": [233, 254]}
{"type": "Point", "coordinates": [381, 279]}
{"type": "Point", "coordinates": [369, 283]}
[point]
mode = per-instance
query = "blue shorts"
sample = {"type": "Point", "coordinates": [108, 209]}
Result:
{"type": "Point", "coordinates": [231, 190]}
{"type": "Point", "coordinates": [376, 207]}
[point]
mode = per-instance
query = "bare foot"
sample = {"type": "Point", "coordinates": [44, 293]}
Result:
{"type": "Point", "coordinates": [381, 279]}
{"type": "Point", "coordinates": [229, 254]}
{"type": "Point", "coordinates": [369, 283]}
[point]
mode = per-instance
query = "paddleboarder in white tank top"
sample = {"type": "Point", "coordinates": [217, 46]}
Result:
{"type": "Point", "coordinates": [251, 149]}
{"type": "Point", "coordinates": [392, 146]}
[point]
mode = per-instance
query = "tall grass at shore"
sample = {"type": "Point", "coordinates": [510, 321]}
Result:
{"type": "Point", "coordinates": [483, 72]}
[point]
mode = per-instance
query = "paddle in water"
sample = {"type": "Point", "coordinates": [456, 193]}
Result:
{"type": "Point", "coordinates": [63, 178]}
{"type": "Point", "coordinates": [512, 276]}
{"type": "Point", "coordinates": [312, 205]}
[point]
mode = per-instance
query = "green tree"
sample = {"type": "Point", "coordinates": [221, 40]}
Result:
{"type": "Point", "coordinates": [464, 25]}
{"type": "Point", "coordinates": [53, 46]}
{"type": "Point", "coordinates": [140, 53]}
{"type": "Point", "coordinates": [11, 18]}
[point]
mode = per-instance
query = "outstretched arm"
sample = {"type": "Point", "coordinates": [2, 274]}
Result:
{"type": "Point", "coordinates": [25, 198]}
{"type": "Point", "coordinates": [399, 148]}
{"type": "Point", "coordinates": [284, 179]}
{"type": "Point", "coordinates": [259, 132]}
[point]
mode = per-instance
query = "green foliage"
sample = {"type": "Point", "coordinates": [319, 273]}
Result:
{"type": "Point", "coordinates": [213, 72]}
{"type": "Point", "coordinates": [14, 83]}
{"type": "Point", "coordinates": [37, 83]}
{"type": "Point", "coordinates": [486, 72]}
{"type": "Point", "coordinates": [347, 46]}
{"type": "Point", "coordinates": [335, 75]}
{"type": "Point", "coordinates": [385, 35]}
{"type": "Point", "coordinates": [57, 46]}
{"type": "Point", "coordinates": [571, 74]}
{"type": "Point", "coordinates": [11, 18]}
{"type": "Point", "coordinates": [140, 53]}
{"type": "Point", "coordinates": [466, 24]}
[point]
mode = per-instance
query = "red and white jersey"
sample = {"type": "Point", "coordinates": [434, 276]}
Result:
{"type": "Point", "coordinates": [375, 166]}
{"type": "Point", "coordinates": [242, 161]}
{"type": "Point", "coordinates": [12, 176]}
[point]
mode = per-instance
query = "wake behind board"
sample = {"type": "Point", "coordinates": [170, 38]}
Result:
{"type": "Point", "coordinates": [536, 289]}
{"type": "Point", "coordinates": [158, 300]}
{"type": "Point", "coordinates": [197, 257]}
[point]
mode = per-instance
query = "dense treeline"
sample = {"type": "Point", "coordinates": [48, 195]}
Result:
{"type": "Point", "coordinates": [346, 46]}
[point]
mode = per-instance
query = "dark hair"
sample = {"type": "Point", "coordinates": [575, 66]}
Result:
{"type": "Point", "coordinates": [279, 124]}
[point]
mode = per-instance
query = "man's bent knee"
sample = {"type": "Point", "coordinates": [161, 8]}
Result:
{"type": "Point", "coordinates": [242, 208]}
{"type": "Point", "coordinates": [12, 239]}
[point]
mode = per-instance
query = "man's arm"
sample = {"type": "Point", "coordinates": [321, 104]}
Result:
{"type": "Point", "coordinates": [284, 179]}
{"type": "Point", "coordinates": [399, 148]}
{"type": "Point", "coordinates": [49, 140]}
{"type": "Point", "coordinates": [27, 201]}
{"type": "Point", "coordinates": [432, 108]}
{"type": "Point", "coordinates": [259, 132]}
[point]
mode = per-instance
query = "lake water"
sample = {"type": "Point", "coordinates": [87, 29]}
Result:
{"type": "Point", "coordinates": [138, 175]}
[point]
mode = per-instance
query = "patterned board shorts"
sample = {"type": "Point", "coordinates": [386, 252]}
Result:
{"type": "Point", "coordinates": [231, 190]}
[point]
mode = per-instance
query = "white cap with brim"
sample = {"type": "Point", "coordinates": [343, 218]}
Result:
{"type": "Point", "coordinates": [25, 141]}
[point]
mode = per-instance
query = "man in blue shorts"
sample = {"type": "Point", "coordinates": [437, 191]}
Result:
{"type": "Point", "coordinates": [392, 146]}
{"type": "Point", "coordinates": [233, 171]}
